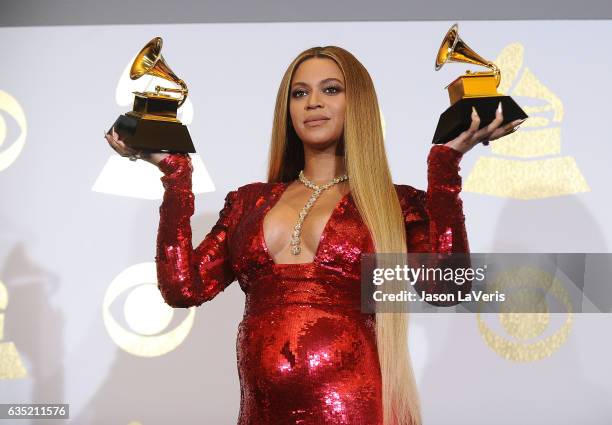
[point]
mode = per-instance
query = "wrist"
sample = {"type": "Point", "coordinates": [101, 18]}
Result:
{"type": "Point", "coordinates": [172, 163]}
{"type": "Point", "coordinates": [446, 153]}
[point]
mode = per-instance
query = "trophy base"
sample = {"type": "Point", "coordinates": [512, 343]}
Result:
{"type": "Point", "coordinates": [457, 118]}
{"type": "Point", "coordinates": [154, 135]}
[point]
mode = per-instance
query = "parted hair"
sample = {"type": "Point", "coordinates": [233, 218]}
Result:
{"type": "Point", "coordinates": [376, 199]}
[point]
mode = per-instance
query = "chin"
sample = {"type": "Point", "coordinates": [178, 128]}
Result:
{"type": "Point", "coordinates": [319, 138]}
{"type": "Point", "coordinates": [319, 142]}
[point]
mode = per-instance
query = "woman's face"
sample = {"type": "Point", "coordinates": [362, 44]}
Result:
{"type": "Point", "coordinates": [317, 102]}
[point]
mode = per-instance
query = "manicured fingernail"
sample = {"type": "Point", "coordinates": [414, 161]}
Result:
{"type": "Point", "coordinates": [519, 122]}
{"type": "Point", "coordinates": [474, 113]}
{"type": "Point", "coordinates": [499, 107]}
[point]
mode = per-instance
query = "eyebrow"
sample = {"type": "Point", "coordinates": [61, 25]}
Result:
{"type": "Point", "coordinates": [327, 80]}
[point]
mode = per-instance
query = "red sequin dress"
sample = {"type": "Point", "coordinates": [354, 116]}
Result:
{"type": "Point", "coordinates": [306, 354]}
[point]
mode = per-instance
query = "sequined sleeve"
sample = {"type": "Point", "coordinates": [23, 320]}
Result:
{"type": "Point", "coordinates": [186, 276]}
{"type": "Point", "coordinates": [435, 222]}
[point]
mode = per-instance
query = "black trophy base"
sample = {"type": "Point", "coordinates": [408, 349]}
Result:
{"type": "Point", "coordinates": [457, 118]}
{"type": "Point", "coordinates": [153, 135]}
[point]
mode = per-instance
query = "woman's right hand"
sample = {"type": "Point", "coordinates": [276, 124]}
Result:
{"type": "Point", "coordinates": [117, 144]}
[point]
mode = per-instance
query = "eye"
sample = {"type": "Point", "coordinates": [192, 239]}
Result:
{"type": "Point", "coordinates": [296, 92]}
{"type": "Point", "coordinates": [329, 90]}
{"type": "Point", "coordinates": [334, 89]}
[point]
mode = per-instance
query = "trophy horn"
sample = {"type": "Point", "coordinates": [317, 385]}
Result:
{"type": "Point", "coordinates": [454, 49]}
{"type": "Point", "coordinates": [149, 61]}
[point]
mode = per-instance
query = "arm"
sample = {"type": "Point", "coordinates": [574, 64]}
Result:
{"type": "Point", "coordinates": [447, 232]}
{"type": "Point", "coordinates": [435, 223]}
{"type": "Point", "coordinates": [188, 277]}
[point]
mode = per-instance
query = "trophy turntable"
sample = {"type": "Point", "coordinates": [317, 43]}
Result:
{"type": "Point", "coordinates": [152, 124]}
{"type": "Point", "coordinates": [472, 89]}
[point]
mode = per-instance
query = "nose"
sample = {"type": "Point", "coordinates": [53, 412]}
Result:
{"type": "Point", "coordinates": [313, 101]}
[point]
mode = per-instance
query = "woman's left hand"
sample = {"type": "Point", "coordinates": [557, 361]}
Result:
{"type": "Point", "coordinates": [472, 136]}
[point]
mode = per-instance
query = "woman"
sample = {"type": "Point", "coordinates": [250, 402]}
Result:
{"type": "Point", "coordinates": [306, 354]}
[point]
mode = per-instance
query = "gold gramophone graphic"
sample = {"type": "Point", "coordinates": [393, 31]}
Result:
{"type": "Point", "coordinates": [525, 316]}
{"type": "Point", "coordinates": [152, 125]}
{"type": "Point", "coordinates": [472, 89]}
{"type": "Point", "coordinates": [527, 164]}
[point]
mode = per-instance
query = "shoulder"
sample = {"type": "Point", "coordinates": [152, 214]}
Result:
{"type": "Point", "coordinates": [253, 193]}
{"type": "Point", "coordinates": [412, 202]}
{"type": "Point", "coordinates": [257, 188]}
{"type": "Point", "coordinates": [407, 192]}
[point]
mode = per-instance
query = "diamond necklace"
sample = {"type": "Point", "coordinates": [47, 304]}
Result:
{"type": "Point", "coordinates": [297, 229]}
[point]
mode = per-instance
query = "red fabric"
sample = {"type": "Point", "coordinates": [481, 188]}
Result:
{"type": "Point", "coordinates": [306, 354]}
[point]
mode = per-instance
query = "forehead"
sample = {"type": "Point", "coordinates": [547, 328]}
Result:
{"type": "Point", "coordinates": [313, 70]}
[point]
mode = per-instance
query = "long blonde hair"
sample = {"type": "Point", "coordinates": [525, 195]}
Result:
{"type": "Point", "coordinates": [376, 200]}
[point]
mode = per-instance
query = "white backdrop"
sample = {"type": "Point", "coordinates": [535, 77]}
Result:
{"type": "Point", "coordinates": [81, 321]}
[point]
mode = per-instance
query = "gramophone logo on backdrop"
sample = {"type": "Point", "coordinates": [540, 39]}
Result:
{"type": "Point", "coordinates": [528, 336]}
{"type": "Point", "coordinates": [533, 166]}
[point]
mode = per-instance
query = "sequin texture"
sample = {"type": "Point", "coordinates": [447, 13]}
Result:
{"type": "Point", "coordinates": [306, 354]}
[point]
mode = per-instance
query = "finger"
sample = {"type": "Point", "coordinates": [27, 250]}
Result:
{"type": "Point", "coordinates": [118, 141]}
{"type": "Point", "coordinates": [486, 133]}
{"type": "Point", "coordinates": [129, 150]}
{"type": "Point", "coordinates": [110, 140]}
{"type": "Point", "coordinates": [497, 121]}
{"type": "Point", "coordinates": [482, 135]}
{"type": "Point", "coordinates": [115, 145]}
{"type": "Point", "coordinates": [493, 125]}
{"type": "Point", "coordinates": [500, 133]}
{"type": "Point", "coordinates": [472, 129]}
{"type": "Point", "coordinates": [475, 124]}
{"type": "Point", "coordinates": [120, 146]}
{"type": "Point", "coordinates": [509, 128]}
{"type": "Point", "coordinates": [512, 125]}
{"type": "Point", "coordinates": [126, 150]}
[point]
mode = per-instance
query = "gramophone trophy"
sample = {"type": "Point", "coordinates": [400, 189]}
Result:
{"type": "Point", "coordinates": [472, 89]}
{"type": "Point", "coordinates": [152, 125]}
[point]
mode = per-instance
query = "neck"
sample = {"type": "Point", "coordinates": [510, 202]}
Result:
{"type": "Point", "coordinates": [320, 167]}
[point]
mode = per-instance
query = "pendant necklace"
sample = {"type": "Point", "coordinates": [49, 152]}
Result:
{"type": "Point", "coordinates": [297, 229]}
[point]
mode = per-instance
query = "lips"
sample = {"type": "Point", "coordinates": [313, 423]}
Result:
{"type": "Point", "coordinates": [315, 120]}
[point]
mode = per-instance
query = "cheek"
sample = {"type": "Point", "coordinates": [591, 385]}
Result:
{"type": "Point", "coordinates": [293, 113]}
{"type": "Point", "coordinates": [340, 115]}
{"type": "Point", "coordinates": [297, 117]}
{"type": "Point", "coordinates": [339, 108]}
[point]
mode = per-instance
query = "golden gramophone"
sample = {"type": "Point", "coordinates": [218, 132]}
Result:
{"type": "Point", "coordinates": [472, 89]}
{"type": "Point", "coordinates": [152, 125]}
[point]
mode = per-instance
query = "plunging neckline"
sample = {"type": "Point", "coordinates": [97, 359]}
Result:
{"type": "Point", "coordinates": [262, 235]}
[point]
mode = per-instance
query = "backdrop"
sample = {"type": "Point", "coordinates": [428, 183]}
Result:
{"type": "Point", "coordinates": [81, 320]}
